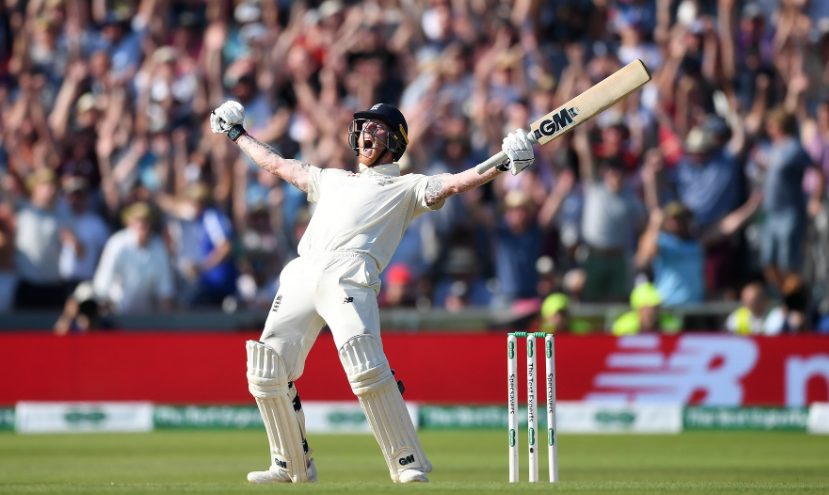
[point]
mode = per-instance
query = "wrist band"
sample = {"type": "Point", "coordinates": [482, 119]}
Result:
{"type": "Point", "coordinates": [236, 132]}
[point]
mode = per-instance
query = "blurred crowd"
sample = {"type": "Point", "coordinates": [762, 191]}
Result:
{"type": "Point", "coordinates": [707, 184]}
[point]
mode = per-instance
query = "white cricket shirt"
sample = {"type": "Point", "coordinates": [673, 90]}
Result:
{"type": "Point", "coordinates": [365, 212]}
{"type": "Point", "coordinates": [132, 277]}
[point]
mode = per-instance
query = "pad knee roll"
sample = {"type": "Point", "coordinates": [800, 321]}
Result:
{"type": "Point", "coordinates": [365, 365]}
{"type": "Point", "coordinates": [268, 383]}
{"type": "Point", "coordinates": [372, 381]}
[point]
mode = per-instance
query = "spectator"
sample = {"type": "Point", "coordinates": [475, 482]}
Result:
{"type": "Point", "coordinates": [262, 261]}
{"type": "Point", "coordinates": [398, 290]}
{"type": "Point", "coordinates": [119, 94]}
{"type": "Point", "coordinates": [611, 216]}
{"type": "Point", "coordinates": [784, 204]}
{"type": "Point", "coordinates": [646, 315]}
{"type": "Point", "coordinates": [517, 247]}
{"type": "Point", "coordinates": [91, 230]}
{"type": "Point", "coordinates": [709, 182]}
{"type": "Point", "coordinates": [8, 279]}
{"type": "Point", "coordinates": [134, 273]}
{"type": "Point", "coordinates": [752, 318]}
{"type": "Point", "coordinates": [792, 315]}
{"type": "Point", "coordinates": [676, 247]}
{"type": "Point", "coordinates": [122, 36]}
{"type": "Point", "coordinates": [823, 321]}
{"type": "Point", "coordinates": [554, 314]}
{"type": "Point", "coordinates": [214, 268]}
{"type": "Point", "coordinates": [42, 229]}
{"type": "Point", "coordinates": [462, 285]}
{"type": "Point", "coordinates": [815, 139]}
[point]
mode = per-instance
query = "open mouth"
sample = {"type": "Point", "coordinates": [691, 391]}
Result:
{"type": "Point", "coordinates": [367, 148]}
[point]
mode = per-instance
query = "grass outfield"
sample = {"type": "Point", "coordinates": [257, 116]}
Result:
{"type": "Point", "coordinates": [215, 462]}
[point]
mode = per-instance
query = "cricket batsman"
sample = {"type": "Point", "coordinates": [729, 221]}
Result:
{"type": "Point", "coordinates": [358, 223]}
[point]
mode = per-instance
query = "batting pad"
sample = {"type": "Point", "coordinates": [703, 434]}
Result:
{"type": "Point", "coordinates": [268, 383]}
{"type": "Point", "coordinates": [372, 381]}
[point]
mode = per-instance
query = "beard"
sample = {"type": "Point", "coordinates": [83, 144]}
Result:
{"type": "Point", "coordinates": [369, 157]}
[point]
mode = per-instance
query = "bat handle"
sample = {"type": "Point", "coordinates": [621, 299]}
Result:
{"type": "Point", "coordinates": [494, 160]}
{"type": "Point", "coordinates": [499, 158]}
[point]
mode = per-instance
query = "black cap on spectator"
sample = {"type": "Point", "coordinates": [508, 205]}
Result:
{"type": "Point", "coordinates": [715, 126]}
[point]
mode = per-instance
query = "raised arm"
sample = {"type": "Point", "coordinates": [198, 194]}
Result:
{"type": "Point", "coordinates": [228, 118]}
{"type": "Point", "coordinates": [516, 146]}
{"type": "Point", "coordinates": [649, 242]}
{"type": "Point", "coordinates": [267, 158]}
{"type": "Point", "coordinates": [732, 222]}
{"type": "Point", "coordinates": [440, 187]}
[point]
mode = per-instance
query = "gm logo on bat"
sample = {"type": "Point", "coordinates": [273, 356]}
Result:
{"type": "Point", "coordinates": [564, 118]}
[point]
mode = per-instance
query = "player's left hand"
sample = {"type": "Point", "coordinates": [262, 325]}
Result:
{"type": "Point", "coordinates": [519, 149]}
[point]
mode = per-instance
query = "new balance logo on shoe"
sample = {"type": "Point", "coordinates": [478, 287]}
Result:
{"type": "Point", "coordinates": [348, 300]}
{"type": "Point", "coordinates": [405, 461]}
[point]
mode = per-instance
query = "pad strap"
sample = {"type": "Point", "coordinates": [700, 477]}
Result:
{"type": "Point", "coordinates": [277, 401]}
{"type": "Point", "coordinates": [372, 381]}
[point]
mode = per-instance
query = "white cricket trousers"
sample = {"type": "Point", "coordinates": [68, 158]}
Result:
{"type": "Point", "coordinates": [337, 288]}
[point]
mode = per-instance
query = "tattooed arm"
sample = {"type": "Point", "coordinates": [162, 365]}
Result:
{"type": "Point", "coordinates": [293, 171]}
{"type": "Point", "coordinates": [440, 187]}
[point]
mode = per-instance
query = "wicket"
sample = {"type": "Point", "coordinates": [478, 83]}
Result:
{"type": "Point", "coordinates": [532, 398]}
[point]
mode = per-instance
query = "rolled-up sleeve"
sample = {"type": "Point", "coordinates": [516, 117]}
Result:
{"type": "Point", "coordinates": [420, 185]}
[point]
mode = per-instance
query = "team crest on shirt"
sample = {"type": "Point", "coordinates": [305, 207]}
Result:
{"type": "Point", "coordinates": [383, 181]}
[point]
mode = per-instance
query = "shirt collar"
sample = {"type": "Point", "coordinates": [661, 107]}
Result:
{"type": "Point", "coordinates": [388, 169]}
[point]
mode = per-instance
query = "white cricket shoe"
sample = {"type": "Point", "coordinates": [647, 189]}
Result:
{"type": "Point", "coordinates": [412, 476]}
{"type": "Point", "coordinates": [278, 475]}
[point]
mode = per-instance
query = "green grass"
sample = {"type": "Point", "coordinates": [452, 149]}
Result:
{"type": "Point", "coordinates": [203, 462]}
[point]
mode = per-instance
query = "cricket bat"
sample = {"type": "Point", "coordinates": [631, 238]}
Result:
{"type": "Point", "coordinates": [581, 108]}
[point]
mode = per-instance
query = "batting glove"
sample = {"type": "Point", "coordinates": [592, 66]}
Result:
{"type": "Point", "coordinates": [518, 147]}
{"type": "Point", "coordinates": [227, 119]}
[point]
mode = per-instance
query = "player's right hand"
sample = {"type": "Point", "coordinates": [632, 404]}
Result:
{"type": "Point", "coordinates": [226, 116]}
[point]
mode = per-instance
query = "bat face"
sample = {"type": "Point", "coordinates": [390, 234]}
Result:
{"type": "Point", "coordinates": [590, 103]}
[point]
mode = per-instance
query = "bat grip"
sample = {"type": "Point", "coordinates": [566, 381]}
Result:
{"type": "Point", "coordinates": [495, 159]}
{"type": "Point", "coordinates": [498, 158]}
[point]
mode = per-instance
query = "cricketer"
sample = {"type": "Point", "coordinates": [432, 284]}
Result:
{"type": "Point", "coordinates": [356, 227]}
